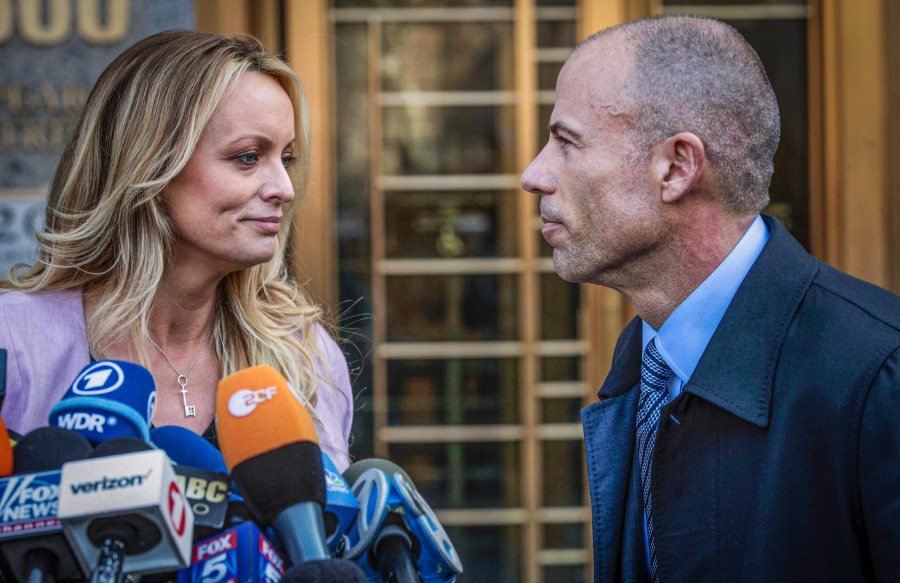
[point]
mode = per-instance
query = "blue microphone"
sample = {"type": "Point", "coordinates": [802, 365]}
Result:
{"type": "Point", "coordinates": [32, 544]}
{"type": "Point", "coordinates": [341, 507]}
{"type": "Point", "coordinates": [186, 448]}
{"type": "Point", "coordinates": [108, 399]}
{"type": "Point", "coordinates": [240, 553]}
{"type": "Point", "coordinates": [396, 536]}
{"type": "Point", "coordinates": [202, 475]}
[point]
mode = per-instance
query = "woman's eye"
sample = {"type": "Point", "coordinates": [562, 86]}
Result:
{"type": "Point", "coordinates": [248, 158]}
{"type": "Point", "coordinates": [288, 161]}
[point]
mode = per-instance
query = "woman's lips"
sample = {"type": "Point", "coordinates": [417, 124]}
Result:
{"type": "Point", "coordinates": [267, 224]}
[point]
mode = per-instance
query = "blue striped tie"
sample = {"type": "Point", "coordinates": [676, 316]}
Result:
{"type": "Point", "coordinates": [655, 375]}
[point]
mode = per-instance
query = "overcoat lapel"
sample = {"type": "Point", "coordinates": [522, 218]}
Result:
{"type": "Point", "coordinates": [609, 447]}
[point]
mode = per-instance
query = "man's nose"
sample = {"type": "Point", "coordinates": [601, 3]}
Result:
{"type": "Point", "coordinates": [537, 178]}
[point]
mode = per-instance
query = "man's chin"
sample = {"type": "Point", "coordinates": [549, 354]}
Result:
{"type": "Point", "coordinates": [564, 269]}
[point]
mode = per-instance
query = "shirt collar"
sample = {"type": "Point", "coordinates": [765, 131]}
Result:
{"type": "Point", "coordinates": [683, 337]}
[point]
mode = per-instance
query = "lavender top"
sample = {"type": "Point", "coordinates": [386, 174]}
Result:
{"type": "Point", "coordinates": [46, 347]}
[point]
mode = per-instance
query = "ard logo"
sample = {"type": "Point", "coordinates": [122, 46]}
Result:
{"type": "Point", "coordinates": [100, 378]}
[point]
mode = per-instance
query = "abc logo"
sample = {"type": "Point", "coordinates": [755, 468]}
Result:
{"type": "Point", "coordinates": [99, 378]}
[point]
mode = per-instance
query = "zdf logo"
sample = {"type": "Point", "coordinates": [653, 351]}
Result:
{"type": "Point", "coordinates": [98, 379]}
{"type": "Point", "coordinates": [244, 401]}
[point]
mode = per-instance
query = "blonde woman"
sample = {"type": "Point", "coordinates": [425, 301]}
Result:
{"type": "Point", "coordinates": [165, 241]}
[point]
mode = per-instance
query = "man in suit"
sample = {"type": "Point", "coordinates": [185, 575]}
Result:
{"type": "Point", "coordinates": [749, 429]}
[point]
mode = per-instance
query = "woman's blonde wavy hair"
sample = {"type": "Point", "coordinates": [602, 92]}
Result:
{"type": "Point", "coordinates": [106, 229]}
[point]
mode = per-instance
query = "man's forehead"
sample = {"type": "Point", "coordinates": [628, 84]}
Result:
{"type": "Point", "coordinates": [590, 87]}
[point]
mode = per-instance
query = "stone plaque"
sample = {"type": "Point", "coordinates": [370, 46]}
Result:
{"type": "Point", "coordinates": [52, 52]}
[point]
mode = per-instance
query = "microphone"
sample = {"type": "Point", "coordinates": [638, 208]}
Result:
{"type": "Point", "coordinates": [396, 534]}
{"type": "Point", "coordinates": [263, 431]}
{"type": "Point", "coordinates": [240, 553]}
{"type": "Point", "coordinates": [124, 512]}
{"type": "Point", "coordinates": [201, 474]}
{"type": "Point", "coordinates": [327, 571]}
{"type": "Point", "coordinates": [6, 454]}
{"type": "Point", "coordinates": [341, 507]}
{"type": "Point", "coordinates": [108, 398]}
{"type": "Point", "coordinates": [48, 448]}
{"type": "Point", "coordinates": [32, 544]}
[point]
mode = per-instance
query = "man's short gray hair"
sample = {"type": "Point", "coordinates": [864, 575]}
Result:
{"type": "Point", "coordinates": [699, 75]}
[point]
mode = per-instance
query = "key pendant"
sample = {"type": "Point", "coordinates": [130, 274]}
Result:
{"type": "Point", "coordinates": [189, 410]}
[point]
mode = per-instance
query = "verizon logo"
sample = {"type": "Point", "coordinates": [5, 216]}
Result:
{"type": "Point", "coordinates": [107, 483]}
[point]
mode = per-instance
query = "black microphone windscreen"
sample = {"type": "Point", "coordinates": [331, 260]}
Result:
{"type": "Point", "coordinates": [120, 446]}
{"type": "Point", "coordinates": [325, 571]}
{"type": "Point", "coordinates": [301, 478]}
{"type": "Point", "coordinates": [48, 448]}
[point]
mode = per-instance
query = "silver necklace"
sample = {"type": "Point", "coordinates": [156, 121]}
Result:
{"type": "Point", "coordinates": [189, 410]}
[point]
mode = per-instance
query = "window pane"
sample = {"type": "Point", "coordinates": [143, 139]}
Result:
{"type": "Point", "coordinates": [560, 368]}
{"type": "Point", "coordinates": [490, 554]}
{"type": "Point", "coordinates": [730, 2]}
{"type": "Point", "coordinates": [471, 56]}
{"type": "Point", "coordinates": [568, 573]}
{"type": "Point", "coordinates": [547, 74]}
{"type": "Point", "coordinates": [561, 410]}
{"type": "Point", "coordinates": [459, 391]}
{"type": "Point", "coordinates": [556, 33]}
{"type": "Point", "coordinates": [451, 308]}
{"type": "Point", "coordinates": [450, 224]}
{"type": "Point", "coordinates": [417, 3]}
{"type": "Point", "coordinates": [463, 475]}
{"type": "Point", "coordinates": [559, 308]}
{"type": "Point", "coordinates": [448, 140]}
{"type": "Point", "coordinates": [562, 469]}
{"type": "Point", "coordinates": [563, 536]}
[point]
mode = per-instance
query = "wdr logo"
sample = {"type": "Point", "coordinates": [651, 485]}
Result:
{"type": "Point", "coordinates": [98, 379]}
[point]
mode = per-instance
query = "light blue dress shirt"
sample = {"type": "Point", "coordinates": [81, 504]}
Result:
{"type": "Point", "coordinates": [684, 335]}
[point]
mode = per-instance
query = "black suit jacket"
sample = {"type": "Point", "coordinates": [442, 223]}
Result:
{"type": "Point", "coordinates": [780, 460]}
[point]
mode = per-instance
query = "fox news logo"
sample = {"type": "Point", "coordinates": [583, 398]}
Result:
{"type": "Point", "coordinates": [32, 499]}
{"type": "Point", "coordinates": [268, 552]}
{"type": "Point", "coordinates": [100, 378]}
{"type": "Point", "coordinates": [214, 546]}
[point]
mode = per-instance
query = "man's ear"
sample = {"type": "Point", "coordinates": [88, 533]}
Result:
{"type": "Point", "coordinates": [679, 162]}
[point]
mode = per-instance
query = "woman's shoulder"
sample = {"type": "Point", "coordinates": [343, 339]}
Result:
{"type": "Point", "coordinates": [326, 343]}
{"type": "Point", "coordinates": [42, 318]}
{"type": "Point", "coordinates": [64, 299]}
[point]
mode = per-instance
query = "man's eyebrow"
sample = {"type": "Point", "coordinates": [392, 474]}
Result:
{"type": "Point", "coordinates": [557, 128]}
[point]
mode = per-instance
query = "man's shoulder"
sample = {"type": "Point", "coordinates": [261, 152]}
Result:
{"type": "Point", "coordinates": [850, 296]}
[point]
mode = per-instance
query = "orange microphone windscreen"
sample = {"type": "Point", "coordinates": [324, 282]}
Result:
{"type": "Point", "coordinates": [6, 452]}
{"type": "Point", "coordinates": [256, 412]}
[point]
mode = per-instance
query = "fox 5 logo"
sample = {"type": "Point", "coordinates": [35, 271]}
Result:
{"type": "Point", "coordinates": [219, 568]}
{"type": "Point", "coordinates": [224, 568]}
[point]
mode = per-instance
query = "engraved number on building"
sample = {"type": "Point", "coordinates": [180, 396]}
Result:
{"type": "Point", "coordinates": [52, 22]}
